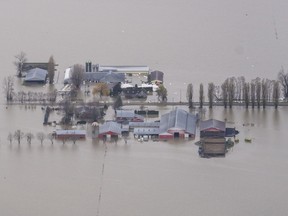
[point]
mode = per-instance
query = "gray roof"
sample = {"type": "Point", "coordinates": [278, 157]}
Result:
{"type": "Point", "coordinates": [144, 124]}
{"type": "Point", "coordinates": [146, 131]}
{"type": "Point", "coordinates": [178, 119]}
{"type": "Point", "coordinates": [212, 123]}
{"type": "Point", "coordinates": [127, 114]}
{"type": "Point", "coordinates": [36, 75]}
{"type": "Point", "coordinates": [70, 132]}
{"type": "Point", "coordinates": [108, 77]}
{"type": "Point", "coordinates": [110, 126]}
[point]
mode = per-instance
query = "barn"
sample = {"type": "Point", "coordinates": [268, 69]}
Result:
{"type": "Point", "coordinates": [109, 130]}
{"type": "Point", "coordinates": [177, 124]}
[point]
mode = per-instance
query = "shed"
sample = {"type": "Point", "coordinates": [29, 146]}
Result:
{"type": "Point", "coordinates": [70, 134]}
{"type": "Point", "coordinates": [109, 129]}
{"type": "Point", "coordinates": [177, 124]}
{"type": "Point", "coordinates": [128, 116]}
{"type": "Point", "coordinates": [106, 77]}
{"type": "Point", "coordinates": [36, 75]}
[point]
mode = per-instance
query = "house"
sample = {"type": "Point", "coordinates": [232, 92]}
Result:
{"type": "Point", "coordinates": [70, 134]}
{"type": "Point", "coordinates": [105, 77]}
{"type": "Point", "coordinates": [212, 137]}
{"type": "Point", "coordinates": [36, 75]}
{"type": "Point", "coordinates": [126, 116]}
{"type": "Point", "coordinates": [109, 130]}
{"type": "Point", "coordinates": [177, 124]}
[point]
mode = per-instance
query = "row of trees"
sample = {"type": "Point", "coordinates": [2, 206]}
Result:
{"type": "Point", "coordinates": [19, 135]}
{"type": "Point", "coordinates": [258, 92]}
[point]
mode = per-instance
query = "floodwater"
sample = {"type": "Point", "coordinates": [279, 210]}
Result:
{"type": "Point", "coordinates": [190, 41]}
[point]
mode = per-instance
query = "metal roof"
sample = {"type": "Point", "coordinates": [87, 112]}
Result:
{"type": "Point", "coordinates": [212, 123]}
{"type": "Point", "coordinates": [110, 126]}
{"type": "Point", "coordinates": [70, 132]}
{"type": "Point", "coordinates": [146, 131]}
{"type": "Point", "coordinates": [144, 124]}
{"type": "Point", "coordinates": [178, 119]}
{"type": "Point", "coordinates": [36, 75]}
{"type": "Point", "coordinates": [107, 76]}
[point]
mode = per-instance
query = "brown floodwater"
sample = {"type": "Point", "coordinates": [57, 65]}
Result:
{"type": "Point", "coordinates": [191, 42]}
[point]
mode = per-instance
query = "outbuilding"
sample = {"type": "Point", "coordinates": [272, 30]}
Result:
{"type": "Point", "coordinates": [177, 124]}
{"type": "Point", "coordinates": [109, 130]}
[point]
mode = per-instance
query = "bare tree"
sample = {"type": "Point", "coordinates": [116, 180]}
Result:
{"type": "Point", "coordinates": [29, 136]}
{"type": "Point", "coordinates": [77, 76]}
{"type": "Point", "coordinates": [10, 137]}
{"type": "Point", "coordinates": [264, 87]}
{"type": "Point", "coordinates": [19, 63]}
{"type": "Point", "coordinates": [51, 70]}
{"type": "Point", "coordinates": [283, 79]}
{"type": "Point", "coordinates": [211, 92]}
{"type": "Point", "coordinates": [246, 91]}
{"type": "Point", "coordinates": [68, 109]}
{"type": "Point", "coordinates": [102, 89]}
{"type": "Point", "coordinates": [253, 94]}
{"type": "Point", "coordinates": [189, 95]}
{"type": "Point", "coordinates": [276, 93]}
{"type": "Point", "coordinates": [117, 103]}
{"type": "Point", "coordinates": [51, 137]}
{"type": "Point", "coordinates": [231, 91]}
{"type": "Point", "coordinates": [225, 87]}
{"type": "Point", "coordinates": [41, 137]}
{"type": "Point", "coordinates": [18, 135]}
{"type": "Point", "coordinates": [201, 96]}
{"type": "Point", "coordinates": [8, 86]}
{"type": "Point", "coordinates": [258, 92]}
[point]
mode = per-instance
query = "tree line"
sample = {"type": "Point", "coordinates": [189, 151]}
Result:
{"type": "Point", "coordinates": [256, 93]}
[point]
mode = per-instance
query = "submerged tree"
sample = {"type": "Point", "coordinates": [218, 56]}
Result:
{"type": "Point", "coordinates": [253, 94]}
{"type": "Point", "coordinates": [51, 70]}
{"type": "Point", "coordinates": [283, 79]}
{"type": "Point", "coordinates": [211, 92]}
{"type": "Point", "coordinates": [118, 102]}
{"type": "Point", "coordinates": [41, 137]}
{"type": "Point", "coordinates": [189, 95]}
{"type": "Point", "coordinates": [162, 93]}
{"type": "Point", "coordinates": [29, 136]}
{"type": "Point", "coordinates": [231, 91]}
{"type": "Point", "coordinates": [10, 137]}
{"type": "Point", "coordinates": [201, 96]}
{"type": "Point", "coordinates": [276, 93]}
{"type": "Point", "coordinates": [246, 92]}
{"type": "Point", "coordinates": [258, 92]}
{"type": "Point", "coordinates": [19, 63]}
{"type": "Point", "coordinates": [18, 135]}
{"type": "Point", "coordinates": [51, 137]}
{"type": "Point", "coordinates": [264, 87]}
{"type": "Point", "coordinates": [77, 76]}
{"type": "Point", "coordinates": [8, 86]}
{"type": "Point", "coordinates": [224, 88]}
